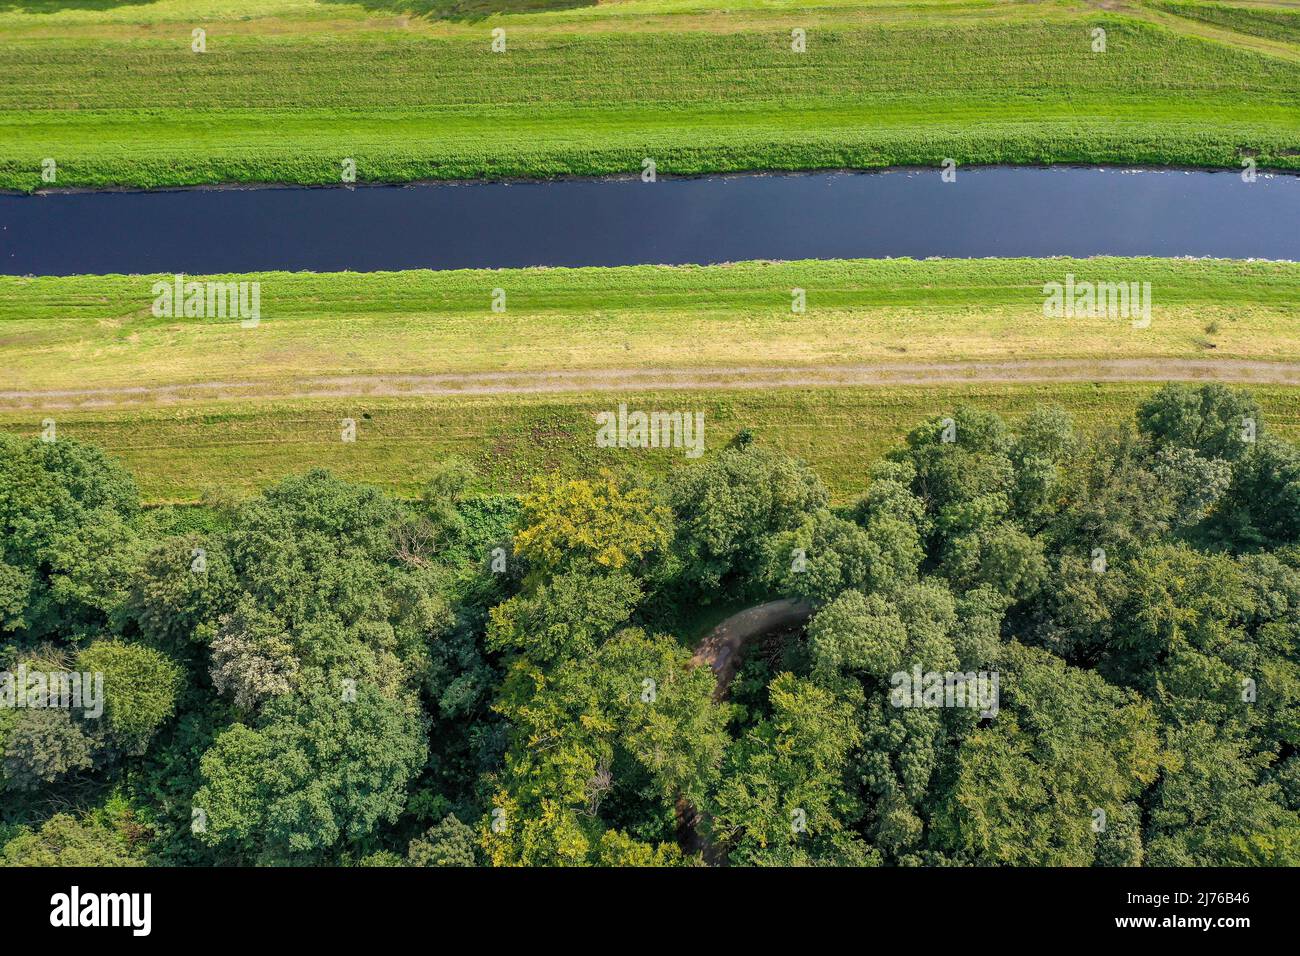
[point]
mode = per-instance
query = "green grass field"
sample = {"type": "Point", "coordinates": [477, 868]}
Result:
{"type": "Point", "coordinates": [286, 91]}
{"type": "Point", "coordinates": [93, 332]}
{"type": "Point", "coordinates": [178, 454]}
{"type": "Point", "coordinates": [1274, 23]}
{"type": "Point", "coordinates": [67, 335]}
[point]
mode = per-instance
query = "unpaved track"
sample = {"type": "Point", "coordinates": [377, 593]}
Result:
{"type": "Point", "coordinates": [721, 652]}
{"type": "Point", "coordinates": [1236, 371]}
{"type": "Point", "coordinates": [1189, 26]}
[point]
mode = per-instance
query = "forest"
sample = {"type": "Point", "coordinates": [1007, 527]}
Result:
{"type": "Point", "coordinates": [325, 674]}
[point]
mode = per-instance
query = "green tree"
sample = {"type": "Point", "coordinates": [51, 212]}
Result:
{"type": "Point", "coordinates": [602, 523]}
{"type": "Point", "coordinates": [823, 556]}
{"type": "Point", "coordinates": [782, 787]}
{"type": "Point", "coordinates": [727, 506]}
{"type": "Point", "coordinates": [64, 840]}
{"type": "Point", "coordinates": [140, 689]}
{"type": "Point", "coordinates": [1044, 446]}
{"type": "Point", "coordinates": [1210, 419]}
{"type": "Point", "coordinates": [1064, 744]}
{"type": "Point", "coordinates": [183, 585]}
{"type": "Point", "coordinates": [618, 849]}
{"type": "Point", "coordinates": [323, 770]}
{"type": "Point", "coordinates": [1261, 507]}
{"type": "Point", "coordinates": [450, 843]}
{"type": "Point", "coordinates": [858, 646]}
{"type": "Point", "coordinates": [564, 617]}
{"type": "Point", "coordinates": [1212, 804]}
{"type": "Point", "coordinates": [253, 656]}
{"type": "Point", "coordinates": [42, 746]}
{"type": "Point", "coordinates": [335, 628]}
{"type": "Point", "coordinates": [634, 713]}
{"type": "Point", "coordinates": [66, 540]}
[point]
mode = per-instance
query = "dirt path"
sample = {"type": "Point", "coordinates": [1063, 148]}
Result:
{"type": "Point", "coordinates": [1238, 371]}
{"type": "Point", "coordinates": [1189, 26]}
{"type": "Point", "coordinates": [721, 650]}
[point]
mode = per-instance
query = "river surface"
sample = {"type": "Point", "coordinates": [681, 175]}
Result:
{"type": "Point", "coordinates": [991, 211]}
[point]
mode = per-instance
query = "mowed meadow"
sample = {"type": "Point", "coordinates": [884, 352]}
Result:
{"type": "Point", "coordinates": [1262, 20]}
{"type": "Point", "coordinates": [88, 353]}
{"type": "Point", "coordinates": [215, 451]}
{"type": "Point", "coordinates": [72, 334]}
{"type": "Point", "coordinates": [285, 92]}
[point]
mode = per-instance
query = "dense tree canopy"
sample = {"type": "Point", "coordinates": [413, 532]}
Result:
{"type": "Point", "coordinates": [1020, 644]}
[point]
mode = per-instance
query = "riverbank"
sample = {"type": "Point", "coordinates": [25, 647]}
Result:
{"type": "Point", "coordinates": [426, 368]}
{"type": "Point", "coordinates": [99, 341]}
{"type": "Point", "coordinates": [121, 98]}
{"type": "Point", "coordinates": [180, 454]}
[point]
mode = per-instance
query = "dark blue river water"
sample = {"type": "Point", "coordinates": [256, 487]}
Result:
{"type": "Point", "coordinates": [996, 211]}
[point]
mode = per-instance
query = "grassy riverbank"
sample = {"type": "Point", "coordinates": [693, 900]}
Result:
{"type": "Point", "coordinates": [95, 332]}
{"type": "Point", "coordinates": [88, 352]}
{"type": "Point", "coordinates": [286, 92]}
{"type": "Point", "coordinates": [1271, 22]}
{"type": "Point", "coordinates": [178, 454]}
